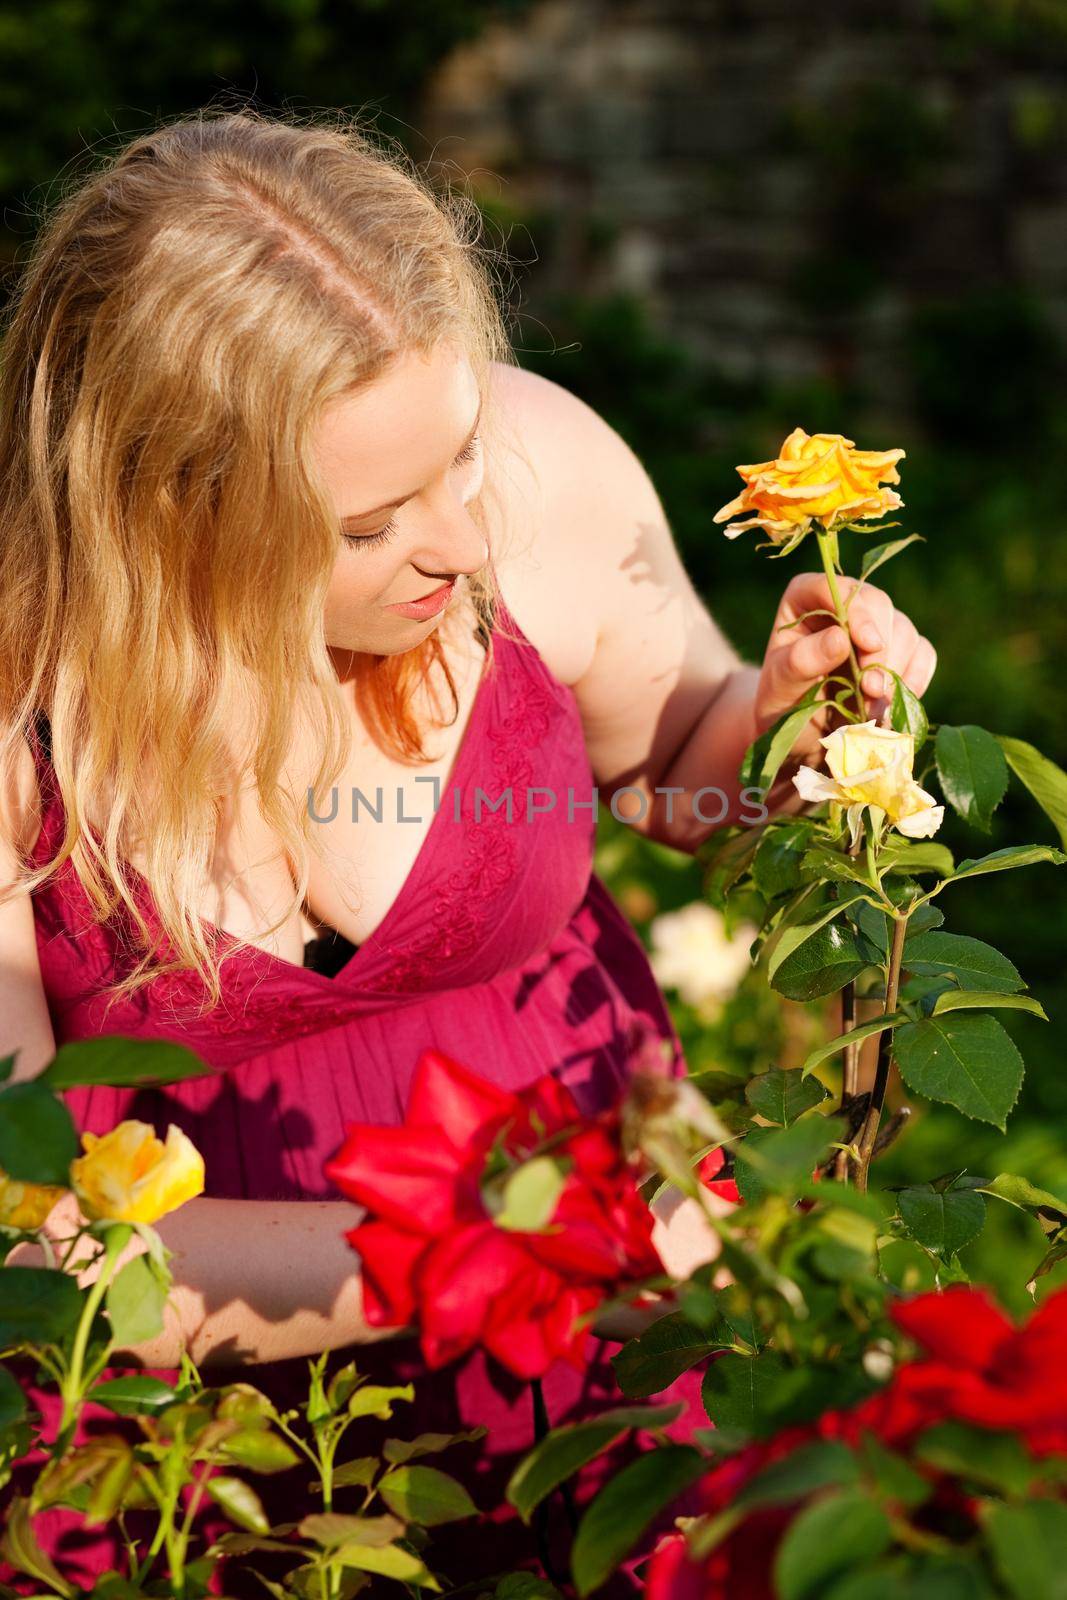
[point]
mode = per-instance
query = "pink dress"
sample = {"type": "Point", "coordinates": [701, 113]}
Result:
{"type": "Point", "coordinates": [503, 949]}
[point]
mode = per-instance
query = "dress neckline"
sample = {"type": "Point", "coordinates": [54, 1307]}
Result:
{"type": "Point", "coordinates": [224, 941]}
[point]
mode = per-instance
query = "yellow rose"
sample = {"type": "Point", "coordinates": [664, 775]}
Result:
{"type": "Point", "coordinates": [26, 1205]}
{"type": "Point", "coordinates": [819, 477]}
{"type": "Point", "coordinates": [129, 1175]}
{"type": "Point", "coordinates": [872, 766]}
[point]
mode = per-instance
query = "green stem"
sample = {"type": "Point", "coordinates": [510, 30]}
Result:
{"type": "Point", "coordinates": [73, 1383]}
{"type": "Point", "coordinates": [842, 617]}
{"type": "Point", "coordinates": [869, 1131]}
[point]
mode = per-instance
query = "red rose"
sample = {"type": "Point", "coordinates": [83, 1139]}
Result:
{"type": "Point", "coordinates": [432, 1252]}
{"type": "Point", "coordinates": [985, 1371]}
{"type": "Point", "coordinates": [982, 1370]}
{"type": "Point", "coordinates": [725, 1188]}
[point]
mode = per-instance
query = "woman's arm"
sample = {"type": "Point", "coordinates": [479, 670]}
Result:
{"type": "Point", "coordinates": [667, 703]}
{"type": "Point", "coordinates": [255, 1280]}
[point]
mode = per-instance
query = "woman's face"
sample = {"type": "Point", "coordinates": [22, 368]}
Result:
{"type": "Point", "coordinates": [401, 461]}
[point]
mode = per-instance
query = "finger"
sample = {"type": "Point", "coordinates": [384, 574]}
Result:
{"type": "Point", "coordinates": [872, 619]}
{"type": "Point", "coordinates": [901, 649]}
{"type": "Point", "coordinates": [921, 668]}
{"type": "Point", "coordinates": [813, 655]}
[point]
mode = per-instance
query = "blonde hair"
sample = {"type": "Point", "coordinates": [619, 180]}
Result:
{"type": "Point", "coordinates": [184, 316]}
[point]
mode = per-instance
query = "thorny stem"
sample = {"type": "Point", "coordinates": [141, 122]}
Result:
{"type": "Point", "coordinates": [885, 1057]}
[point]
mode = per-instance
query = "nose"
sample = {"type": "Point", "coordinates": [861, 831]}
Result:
{"type": "Point", "coordinates": [453, 543]}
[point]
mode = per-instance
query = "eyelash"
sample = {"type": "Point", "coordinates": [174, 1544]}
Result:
{"type": "Point", "coordinates": [468, 453]}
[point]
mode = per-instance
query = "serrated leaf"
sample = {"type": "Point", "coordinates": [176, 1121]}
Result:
{"type": "Point", "coordinates": [649, 1364]}
{"type": "Point", "coordinates": [1043, 778]}
{"type": "Point", "coordinates": [776, 863]}
{"type": "Point", "coordinates": [1021, 1192]}
{"type": "Point", "coordinates": [965, 1061]}
{"type": "Point", "coordinates": [1017, 855]}
{"type": "Point", "coordinates": [397, 1451]}
{"type": "Point", "coordinates": [38, 1306]}
{"type": "Point", "coordinates": [972, 772]}
{"type": "Point", "coordinates": [426, 1496]}
{"type": "Point", "coordinates": [879, 554]}
{"type": "Point", "coordinates": [862, 1030]}
{"type": "Point", "coordinates": [378, 1400]}
{"type": "Point", "coordinates": [332, 1528]}
{"type": "Point", "coordinates": [906, 712]}
{"type": "Point", "coordinates": [974, 964]}
{"type": "Point", "coordinates": [820, 964]}
{"type": "Point", "coordinates": [781, 1096]}
{"type": "Point", "coordinates": [133, 1396]}
{"type": "Point", "coordinates": [945, 1220]}
{"type": "Point", "coordinates": [972, 999]}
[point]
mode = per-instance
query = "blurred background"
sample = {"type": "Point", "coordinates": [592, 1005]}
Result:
{"type": "Point", "coordinates": [724, 219]}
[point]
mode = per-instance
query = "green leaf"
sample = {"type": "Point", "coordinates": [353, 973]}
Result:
{"type": "Point", "coordinates": [777, 1158]}
{"type": "Point", "coordinates": [743, 1392]}
{"type": "Point", "coordinates": [135, 1300]}
{"type": "Point", "coordinates": [1029, 1544]}
{"type": "Point", "coordinates": [19, 1544]}
{"type": "Point", "coordinates": [776, 864]}
{"type": "Point", "coordinates": [566, 1450]}
{"type": "Point", "coordinates": [38, 1306]}
{"type": "Point", "coordinates": [1016, 855]}
{"type": "Point", "coordinates": [397, 1451]}
{"type": "Point", "coordinates": [906, 712]}
{"type": "Point", "coordinates": [766, 754]}
{"type": "Point", "coordinates": [944, 1221]}
{"type": "Point", "coordinates": [240, 1502]}
{"type": "Point", "coordinates": [972, 771]}
{"type": "Point", "coordinates": [388, 1561]}
{"type": "Point", "coordinates": [1021, 1192]}
{"type": "Point", "coordinates": [973, 964]}
{"type": "Point", "coordinates": [624, 1508]}
{"type": "Point", "coordinates": [879, 554]}
{"type": "Point", "coordinates": [822, 862]}
{"type": "Point", "coordinates": [819, 964]}
{"type": "Point", "coordinates": [1045, 780]}
{"type": "Point", "coordinates": [259, 1450]}
{"type": "Point", "coordinates": [122, 1062]}
{"type": "Point", "coordinates": [969, 1062]}
{"type": "Point", "coordinates": [971, 999]}
{"type": "Point", "coordinates": [927, 856]}
{"type": "Point", "coordinates": [333, 1528]}
{"type": "Point", "coordinates": [793, 936]}
{"type": "Point", "coordinates": [12, 1400]}
{"type": "Point", "coordinates": [531, 1195]}
{"type": "Point", "coordinates": [810, 1467]}
{"type": "Point", "coordinates": [982, 1456]}
{"type": "Point", "coordinates": [357, 1474]}
{"type": "Point", "coordinates": [134, 1396]}
{"type": "Point", "coordinates": [830, 1537]}
{"type": "Point", "coordinates": [650, 1363]}
{"type": "Point", "coordinates": [378, 1400]}
{"type": "Point", "coordinates": [781, 1096]}
{"type": "Point", "coordinates": [426, 1496]}
{"type": "Point", "coordinates": [7, 1067]}
{"type": "Point", "coordinates": [863, 1030]}
{"type": "Point", "coordinates": [37, 1137]}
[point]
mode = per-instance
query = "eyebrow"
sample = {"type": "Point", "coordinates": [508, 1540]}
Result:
{"type": "Point", "coordinates": [361, 516]}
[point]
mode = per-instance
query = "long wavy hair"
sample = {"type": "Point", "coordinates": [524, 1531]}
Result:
{"type": "Point", "coordinates": [186, 312]}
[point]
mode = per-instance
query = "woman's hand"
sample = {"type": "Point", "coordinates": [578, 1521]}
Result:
{"type": "Point", "coordinates": [798, 656]}
{"type": "Point", "coordinates": [685, 1240]}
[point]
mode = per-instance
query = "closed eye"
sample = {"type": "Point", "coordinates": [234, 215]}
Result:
{"type": "Point", "coordinates": [382, 535]}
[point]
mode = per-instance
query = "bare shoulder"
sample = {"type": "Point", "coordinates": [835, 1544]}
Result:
{"type": "Point", "coordinates": [563, 471]}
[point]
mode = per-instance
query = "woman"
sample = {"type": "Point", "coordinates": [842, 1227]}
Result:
{"type": "Point", "coordinates": [274, 494]}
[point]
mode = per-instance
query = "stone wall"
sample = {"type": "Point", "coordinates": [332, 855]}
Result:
{"type": "Point", "coordinates": [782, 181]}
